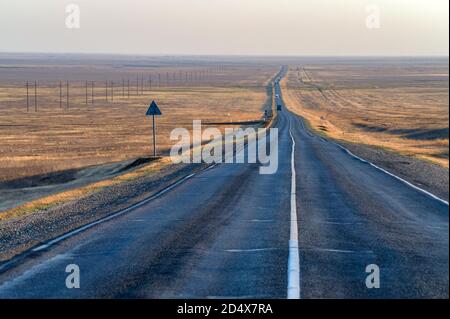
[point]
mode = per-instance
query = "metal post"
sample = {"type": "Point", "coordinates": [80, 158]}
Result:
{"type": "Point", "coordinates": [35, 96]}
{"type": "Point", "coordinates": [154, 136]}
{"type": "Point", "coordinates": [92, 91]}
{"type": "Point", "coordinates": [67, 94]}
{"type": "Point", "coordinates": [60, 94]}
{"type": "Point", "coordinates": [28, 107]}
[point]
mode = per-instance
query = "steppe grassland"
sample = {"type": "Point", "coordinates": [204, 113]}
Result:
{"type": "Point", "coordinates": [401, 107]}
{"type": "Point", "coordinates": [55, 138]}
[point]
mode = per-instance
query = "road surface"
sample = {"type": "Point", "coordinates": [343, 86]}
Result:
{"type": "Point", "coordinates": [230, 232]}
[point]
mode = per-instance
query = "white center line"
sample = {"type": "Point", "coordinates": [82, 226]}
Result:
{"type": "Point", "coordinates": [293, 289]}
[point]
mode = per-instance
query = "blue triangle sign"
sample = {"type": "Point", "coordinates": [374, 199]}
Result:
{"type": "Point", "coordinates": [153, 109]}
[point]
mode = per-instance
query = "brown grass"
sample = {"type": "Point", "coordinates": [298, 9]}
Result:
{"type": "Point", "coordinates": [403, 108]}
{"type": "Point", "coordinates": [62, 197]}
{"type": "Point", "coordinates": [55, 139]}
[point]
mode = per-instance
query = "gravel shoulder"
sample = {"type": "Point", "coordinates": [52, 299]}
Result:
{"type": "Point", "coordinates": [426, 175]}
{"type": "Point", "coordinates": [24, 232]}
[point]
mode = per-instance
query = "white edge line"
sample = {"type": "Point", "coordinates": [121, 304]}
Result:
{"type": "Point", "coordinates": [393, 175]}
{"type": "Point", "coordinates": [122, 212]}
{"type": "Point", "coordinates": [293, 289]}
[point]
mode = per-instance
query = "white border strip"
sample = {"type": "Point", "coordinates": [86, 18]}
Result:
{"type": "Point", "coordinates": [393, 175]}
{"type": "Point", "coordinates": [293, 289]}
{"type": "Point", "coordinates": [104, 219]}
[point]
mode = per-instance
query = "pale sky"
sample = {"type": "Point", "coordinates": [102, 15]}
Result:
{"type": "Point", "coordinates": [237, 27]}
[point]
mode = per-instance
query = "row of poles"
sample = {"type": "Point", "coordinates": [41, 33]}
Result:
{"type": "Point", "coordinates": [127, 90]}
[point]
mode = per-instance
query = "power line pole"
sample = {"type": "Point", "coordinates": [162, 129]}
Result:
{"type": "Point", "coordinates": [92, 92]}
{"type": "Point", "coordinates": [112, 91]}
{"type": "Point", "coordinates": [28, 107]}
{"type": "Point", "coordinates": [106, 91]}
{"type": "Point", "coordinates": [60, 94]}
{"type": "Point", "coordinates": [86, 92]}
{"type": "Point", "coordinates": [67, 94]}
{"type": "Point", "coordinates": [35, 96]}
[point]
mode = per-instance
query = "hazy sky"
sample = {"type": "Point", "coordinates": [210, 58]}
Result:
{"type": "Point", "coordinates": [240, 27]}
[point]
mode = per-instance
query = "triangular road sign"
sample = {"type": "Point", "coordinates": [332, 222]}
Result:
{"type": "Point", "coordinates": [153, 109]}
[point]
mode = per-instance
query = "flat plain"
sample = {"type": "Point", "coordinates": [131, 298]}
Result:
{"type": "Point", "coordinates": [105, 120]}
{"type": "Point", "coordinates": [396, 104]}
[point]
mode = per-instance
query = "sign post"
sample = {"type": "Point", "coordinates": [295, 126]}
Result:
{"type": "Point", "coordinates": [153, 110]}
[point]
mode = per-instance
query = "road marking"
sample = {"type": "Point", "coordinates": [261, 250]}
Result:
{"type": "Point", "coordinates": [340, 223]}
{"type": "Point", "coordinates": [293, 289]}
{"type": "Point", "coordinates": [104, 219]}
{"type": "Point", "coordinates": [249, 250]}
{"type": "Point", "coordinates": [261, 220]}
{"type": "Point", "coordinates": [330, 250]}
{"type": "Point", "coordinates": [11, 284]}
{"type": "Point", "coordinates": [393, 175]}
{"type": "Point", "coordinates": [386, 172]}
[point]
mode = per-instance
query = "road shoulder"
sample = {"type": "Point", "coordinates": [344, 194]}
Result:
{"type": "Point", "coordinates": [23, 232]}
{"type": "Point", "coordinates": [426, 175]}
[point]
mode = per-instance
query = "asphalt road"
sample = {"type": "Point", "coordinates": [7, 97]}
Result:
{"type": "Point", "coordinates": [230, 232]}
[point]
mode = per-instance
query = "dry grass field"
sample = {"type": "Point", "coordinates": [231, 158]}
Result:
{"type": "Point", "coordinates": [57, 138]}
{"type": "Point", "coordinates": [397, 105]}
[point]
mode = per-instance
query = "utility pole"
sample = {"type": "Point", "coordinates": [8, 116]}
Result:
{"type": "Point", "coordinates": [137, 85]}
{"type": "Point", "coordinates": [67, 94]}
{"type": "Point", "coordinates": [60, 94]}
{"type": "Point", "coordinates": [92, 92]}
{"type": "Point", "coordinates": [35, 96]}
{"type": "Point", "coordinates": [28, 107]}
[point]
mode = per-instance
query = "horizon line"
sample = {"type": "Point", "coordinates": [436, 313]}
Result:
{"type": "Point", "coordinates": [234, 55]}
